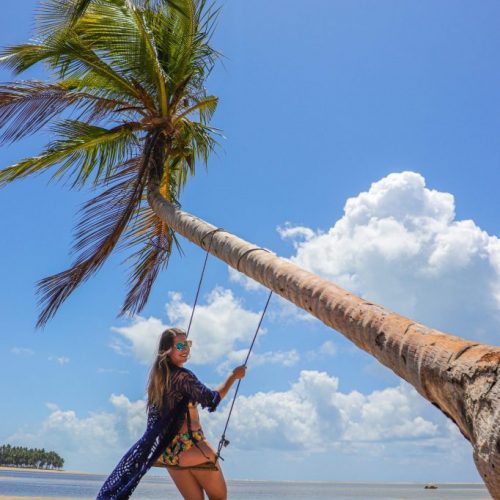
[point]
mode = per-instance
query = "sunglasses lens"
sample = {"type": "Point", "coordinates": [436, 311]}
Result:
{"type": "Point", "coordinates": [180, 346]}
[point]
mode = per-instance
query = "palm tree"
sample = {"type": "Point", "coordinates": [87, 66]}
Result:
{"type": "Point", "coordinates": [134, 71]}
{"type": "Point", "coordinates": [132, 74]}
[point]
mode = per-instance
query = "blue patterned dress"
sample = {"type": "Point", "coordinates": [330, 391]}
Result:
{"type": "Point", "coordinates": [160, 430]}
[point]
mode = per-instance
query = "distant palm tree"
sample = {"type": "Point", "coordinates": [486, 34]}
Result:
{"type": "Point", "coordinates": [133, 73]}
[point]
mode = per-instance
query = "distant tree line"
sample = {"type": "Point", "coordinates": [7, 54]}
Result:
{"type": "Point", "coordinates": [20, 456]}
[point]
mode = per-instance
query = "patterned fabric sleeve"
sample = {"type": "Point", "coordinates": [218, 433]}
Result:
{"type": "Point", "coordinates": [161, 428]}
{"type": "Point", "coordinates": [199, 393]}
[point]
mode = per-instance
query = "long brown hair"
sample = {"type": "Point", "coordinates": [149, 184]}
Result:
{"type": "Point", "coordinates": [159, 376]}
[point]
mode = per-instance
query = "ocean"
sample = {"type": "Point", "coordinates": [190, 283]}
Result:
{"type": "Point", "coordinates": [53, 484]}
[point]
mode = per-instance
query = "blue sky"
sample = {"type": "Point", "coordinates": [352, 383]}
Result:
{"type": "Point", "coordinates": [391, 105]}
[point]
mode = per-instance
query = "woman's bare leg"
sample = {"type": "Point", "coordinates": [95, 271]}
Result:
{"type": "Point", "coordinates": [212, 482]}
{"type": "Point", "coordinates": [187, 484]}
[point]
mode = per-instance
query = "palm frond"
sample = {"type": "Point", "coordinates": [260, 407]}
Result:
{"type": "Point", "coordinates": [117, 31]}
{"type": "Point", "coordinates": [52, 16]}
{"type": "Point", "coordinates": [206, 108]}
{"type": "Point", "coordinates": [183, 34]}
{"type": "Point", "coordinates": [96, 86]}
{"type": "Point", "coordinates": [88, 76]}
{"type": "Point", "coordinates": [155, 240]}
{"type": "Point", "coordinates": [80, 151]}
{"type": "Point", "coordinates": [200, 138]}
{"type": "Point", "coordinates": [28, 106]}
{"type": "Point", "coordinates": [25, 107]}
{"type": "Point", "coordinates": [79, 8]}
{"type": "Point", "coordinates": [69, 57]}
{"type": "Point", "coordinates": [162, 5]}
{"type": "Point", "coordinates": [182, 37]}
{"type": "Point", "coordinates": [19, 58]}
{"type": "Point", "coordinates": [104, 219]}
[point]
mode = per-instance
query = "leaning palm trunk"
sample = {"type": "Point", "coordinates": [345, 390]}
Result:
{"type": "Point", "coordinates": [460, 377]}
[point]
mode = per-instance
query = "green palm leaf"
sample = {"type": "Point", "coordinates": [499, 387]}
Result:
{"type": "Point", "coordinates": [117, 31]}
{"type": "Point", "coordinates": [67, 55]}
{"type": "Point", "coordinates": [80, 150]}
{"type": "Point", "coordinates": [103, 221]}
{"type": "Point", "coordinates": [25, 107]}
{"type": "Point", "coordinates": [155, 241]}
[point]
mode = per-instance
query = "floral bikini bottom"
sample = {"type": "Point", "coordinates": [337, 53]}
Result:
{"type": "Point", "coordinates": [181, 442]}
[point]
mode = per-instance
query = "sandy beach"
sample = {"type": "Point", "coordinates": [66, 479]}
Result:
{"type": "Point", "coordinates": [33, 469]}
{"type": "Point", "coordinates": [39, 498]}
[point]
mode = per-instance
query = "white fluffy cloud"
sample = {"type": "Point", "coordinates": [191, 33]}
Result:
{"type": "Point", "coordinates": [80, 441]}
{"type": "Point", "coordinates": [220, 326]}
{"type": "Point", "coordinates": [133, 413]}
{"type": "Point", "coordinates": [93, 442]}
{"type": "Point", "coordinates": [140, 338]}
{"type": "Point", "coordinates": [400, 245]}
{"type": "Point", "coordinates": [314, 416]}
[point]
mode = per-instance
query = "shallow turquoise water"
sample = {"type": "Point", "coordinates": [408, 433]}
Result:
{"type": "Point", "coordinates": [49, 484]}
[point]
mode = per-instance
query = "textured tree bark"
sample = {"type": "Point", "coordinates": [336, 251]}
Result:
{"type": "Point", "coordinates": [460, 377]}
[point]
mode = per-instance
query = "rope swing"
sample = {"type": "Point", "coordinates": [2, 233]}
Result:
{"type": "Point", "coordinates": [223, 441]}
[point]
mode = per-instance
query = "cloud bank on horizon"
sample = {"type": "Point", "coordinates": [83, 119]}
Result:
{"type": "Point", "coordinates": [312, 417]}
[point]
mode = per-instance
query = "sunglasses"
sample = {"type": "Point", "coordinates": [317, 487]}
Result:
{"type": "Point", "coordinates": [180, 346]}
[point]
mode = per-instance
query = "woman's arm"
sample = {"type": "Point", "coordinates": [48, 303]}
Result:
{"type": "Point", "coordinates": [188, 383]}
{"type": "Point", "coordinates": [238, 373]}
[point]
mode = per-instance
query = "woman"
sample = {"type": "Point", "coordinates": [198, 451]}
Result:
{"type": "Point", "coordinates": [173, 435]}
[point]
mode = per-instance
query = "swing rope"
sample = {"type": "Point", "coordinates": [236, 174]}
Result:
{"type": "Point", "coordinates": [223, 441]}
{"type": "Point", "coordinates": [210, 233]}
